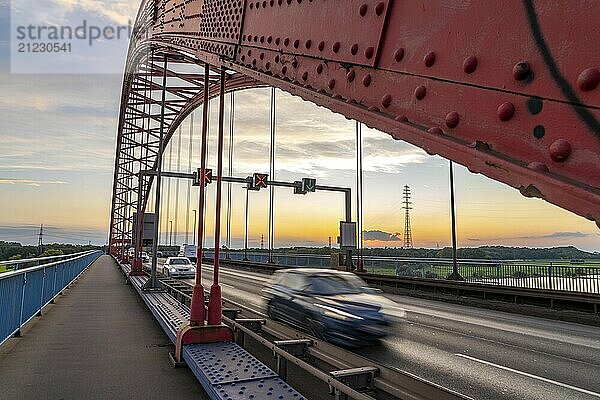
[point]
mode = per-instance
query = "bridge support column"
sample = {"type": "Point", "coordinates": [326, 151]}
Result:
{"type": "Point", "coordinates": [215, 316]}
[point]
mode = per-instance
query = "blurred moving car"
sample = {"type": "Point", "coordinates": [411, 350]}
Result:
{"type": "Point", "coordinates": [335, 306]}
{"type": "Point", "coordinates": [179, 267]}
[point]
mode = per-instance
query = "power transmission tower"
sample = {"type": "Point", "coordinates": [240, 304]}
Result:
{"type": "Point", "coordinates": [41, 240]}
{"type": "Point", "coordinates": [262, 241]}
{"type": "Point", "coordinates": [408, 244]}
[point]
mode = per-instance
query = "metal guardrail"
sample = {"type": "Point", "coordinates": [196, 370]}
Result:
{"type": "Point", "coordinates": [24, 293]}
{"type": "Point", "coordinates": [561, 276]}
{"type": "Point", "coordinates": [15, 265]}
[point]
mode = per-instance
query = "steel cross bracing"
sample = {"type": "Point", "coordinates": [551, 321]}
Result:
{"type": "Point", "coordinates": [509, 89]}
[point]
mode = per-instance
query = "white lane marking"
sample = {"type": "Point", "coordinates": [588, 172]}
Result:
{"type": "Point", "coordinates": [226, 285]}
{"type": "Point", "coordinates": [529, 375]}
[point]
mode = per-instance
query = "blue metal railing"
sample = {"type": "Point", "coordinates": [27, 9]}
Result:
{"type": "Point", "coordinates": [24, 293]}
{"type": "Point", "coordinates": [549, 275]}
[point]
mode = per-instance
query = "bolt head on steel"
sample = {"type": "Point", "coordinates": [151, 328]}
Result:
{"type": "Point", "coordinates": [470, 64]}
{"type": "Point", "coordinates": [521, 70]}
{"type": "Point", "coordinates": [560, 150]}
{"type": "Point", "coordinates": [588, 79]}
{"type": "Point", "coordinates": [420, 92]}
{"type": "Point", "coordinates": [452, 119]}
{"type": "Point", "coordinates": [386, 100]}
{"type": "Point", "coordinates": [435, 130]}
{"type": "Point", "coordinates": [350, 76]}
{"type": "Point", "coordinates": [429, 59]}
{"type": "Point", "coordinates": [369, 52]}
{"type": "Point", "coordinates": [367, 80]}
{"type": "Point", "coordinates": [399, 54]}
{"type": "Point", "coordinates": [506, 111]}
{"type": "Point", "coordinates": [538, 166]}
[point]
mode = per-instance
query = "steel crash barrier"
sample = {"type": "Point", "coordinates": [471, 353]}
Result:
{"type": "Point", "coordinates": [24, 293]}
{"type": "Point", "coordinates": [565, 292]}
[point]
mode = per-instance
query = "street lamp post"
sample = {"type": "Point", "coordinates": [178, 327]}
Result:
{"type": "Point", "coordinates": [455, 275]}
{"type": "Point", "coordinates": [170, 233]}
{"type": "Point", "coordinates": [194, 230]}
{"type": "Point", "coordinates": [246, 233]}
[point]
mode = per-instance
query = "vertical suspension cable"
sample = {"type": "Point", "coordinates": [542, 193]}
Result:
{"type": "Point", "coordinates": [189, 182]}
{"type": "Point", "coordinates": [176, 219]}
{"type": "Point", "coordinates": [207, 153]}
{"type": "Point", "coordinates": [359, 194]}
{"type": "Point", "coordinates": [271, 230]}
{"type": "Point", "coordinates": [168, 205]}
{"type": "Point", "coordinates": [230, 159]}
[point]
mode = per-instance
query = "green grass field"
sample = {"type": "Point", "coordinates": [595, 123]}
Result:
{"type": "Point", "coordinates": [517, 269]}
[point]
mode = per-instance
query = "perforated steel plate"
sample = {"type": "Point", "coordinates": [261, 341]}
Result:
{"type": "Point", "coordinates": [227, 363]}
{"type": "Point", "coordinates": [270, 388]}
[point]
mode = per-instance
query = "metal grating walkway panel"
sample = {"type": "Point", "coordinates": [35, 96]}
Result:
{"type": "Point", "coordinates": [225, 370]}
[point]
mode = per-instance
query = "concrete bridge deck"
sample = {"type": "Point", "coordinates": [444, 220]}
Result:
{"type": "Point", "coordinates": [99, 341]}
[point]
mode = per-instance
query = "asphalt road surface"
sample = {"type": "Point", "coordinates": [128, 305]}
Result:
{"type": "Point", "coordinates": [483, 354]}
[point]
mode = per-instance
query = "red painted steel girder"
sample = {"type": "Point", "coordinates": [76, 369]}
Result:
{"type": "Point", "coordinates": [510, 89]}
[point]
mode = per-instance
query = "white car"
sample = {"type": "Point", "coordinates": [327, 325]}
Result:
{"type": "Point", "coordinates": [179, 267]}
{"type": "Point", "coordinates": [145, 257]}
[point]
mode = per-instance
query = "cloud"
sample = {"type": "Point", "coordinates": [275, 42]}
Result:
{"type": "Point", "coordinates": [380, 236]}
{"type": "Point", "coordinates": [29, 182]}
{"type": "Point", "coordinates": [559, 235]}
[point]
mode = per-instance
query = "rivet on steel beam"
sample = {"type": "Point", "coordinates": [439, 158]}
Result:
{"type": "Point", "coordinates": [336, 47]}
{"type": "Point", "coordinates": [369, 51]}
{"type": "Point", "coordinates": [319, 68]}
{"type": "Point", "coordinates": [331, 84]}
{"type": "Point", "coordinates": [296, 43]}
{"type": "Point", "coordinates": [350, 76]}
{"type": "Point", "coordinates": [269, 39]}
{"type": "Point", "coordinates": [276, 59]}
{"type": "Point", "coordinates": [305, 76]}
{"type": "Point", "coordinates": [363, 10]}
{"type": "Point", "coordinates": [420, 92]}
{"type": "Point", "coordinates": [386, 100]}
{"type": "Point", "coordinates": [399, 54]}
{"type": "Point", "coordinates": [401, 118]}
{"type": "Point", "coordinates": [470, 64]}
{"type": "Point", "coordinates": [506, 111]}
{"type": "Point", "coordinates": [429, 59]}
{"type": "Point", "coordinates": [286, 42]}
{"type": "Point", "coordinates": [268, 65]}
{"type": "Point", "coordinates": [379, 8]}
{"type": "Point", "coordinates": [284, 70]}
{"type": "Point", "coordinates": [452, 119]}
{"type": "Point", "coordinates": [588, 79]}
{"type": "Point", "coordinates": [321, 46]}
{"type": "Point", "coordinates": [354, 49]}
{"type": "Point", "coordinates": [262, 56]}
{"type": "Point", "coordinates": [277, 41]}
{"type": "Point", "coordinates": [367, 80]}
{"type": "Point", "coordinates": [521, 70]}
{"type": "Point", "coordinates": [538, 166]}
{"type": "Point", "coordinates": [435, 130]}
{"type": "Point", "coordinates": [308, 44]}
{"type": "Point", "coordinates": [560, 150]}
{"type": "Point", "coordinates": [373, 109]}
{"type": "Point", "coordinates": [295, 63]}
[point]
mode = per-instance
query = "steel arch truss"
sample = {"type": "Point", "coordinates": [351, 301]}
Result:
{"type": "Point", "coordinates": [510, 89]}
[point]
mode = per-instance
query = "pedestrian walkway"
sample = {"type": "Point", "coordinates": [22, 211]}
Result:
{"type": "Point", "coordinates": [99, 341]}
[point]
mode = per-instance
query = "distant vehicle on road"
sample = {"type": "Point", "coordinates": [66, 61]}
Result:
{"type": "Point", "coordinates": [335, 306]}
{"type": "Point", "coordinates": [145, 257]}
{"type": "Point", "coordinates": [189, 251]}
{"type": "Point", "coordinates": [179, 267]}
{"type": "Point", "coordinates": [159, 254]}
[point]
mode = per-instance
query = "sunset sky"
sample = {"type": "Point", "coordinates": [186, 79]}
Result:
{"type": "Point", "coordinates": [58, 137]}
